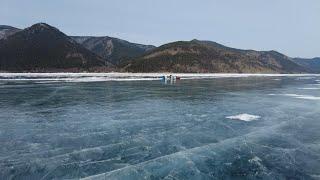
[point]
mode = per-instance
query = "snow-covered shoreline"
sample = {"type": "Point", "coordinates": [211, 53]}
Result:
{"type": "Point", "coordinates": [79, 77]}
{"type": "Point", "coordinates": [116, 74]}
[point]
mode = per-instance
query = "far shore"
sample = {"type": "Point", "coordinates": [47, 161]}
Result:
{"type": "Point", "coordinates": [142, 75]}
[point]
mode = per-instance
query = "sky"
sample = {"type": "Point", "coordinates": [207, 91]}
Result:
{"type": "Point", "coordinates": [288, 26]}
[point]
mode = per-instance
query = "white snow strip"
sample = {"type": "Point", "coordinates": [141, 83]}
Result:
{"type": "Point", "coordinates": [303, 78]}
{"type": "Point", "coordinates": [244, 117]}
{"type": "Point", "coordinates": [310, 88]}
{"type": "Point", "coordinates": [84, 77]}
{"type": "Point", "coordinates": [114, 74]}
{"type": "Point", "coordinates": [309, 97]}
{"type": "Point", "coordinates": [298, 96]}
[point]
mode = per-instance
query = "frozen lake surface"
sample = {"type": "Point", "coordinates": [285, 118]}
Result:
{"type": "Point", "coordinates": [133, 126]}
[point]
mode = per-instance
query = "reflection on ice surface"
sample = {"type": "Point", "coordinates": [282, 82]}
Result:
{"type": "Point", "coordinates": [152, 130]}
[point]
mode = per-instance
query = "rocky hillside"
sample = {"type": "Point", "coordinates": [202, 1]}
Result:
{"type": "Point", "coordinates": [205, 56]}
{"type": "Point", "coordinates": [42, 47]}
{"type": "Point", "coordinates": [112, 49]}
{"type": "Point", "coordinates": [312, 64]}
{"type": "Point", "coordinates": [6, 31]}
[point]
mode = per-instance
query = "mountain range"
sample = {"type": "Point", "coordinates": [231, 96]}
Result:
{"type": "Point", "coordinates": [205, 57]}
{"type": "Point", "coordinates": [312, 64]}
{"type": "Point", "coordinates": [43, 48]}
{"type": "Point", "coordinates": [112, 49]}
{"type": "Point", "coordinates": [6, 31]}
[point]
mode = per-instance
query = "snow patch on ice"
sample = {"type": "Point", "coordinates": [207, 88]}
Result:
{"type": "Point", "coordinates": [304, 78]}
{"type": "Point", "coordinates": [310, 88]}
{"type": "Point", "coordinates": [298, 96]}
{"type": "Point", "coordinates": [255, 159]}
{"type": "Point", "coordinates": [244, 117]}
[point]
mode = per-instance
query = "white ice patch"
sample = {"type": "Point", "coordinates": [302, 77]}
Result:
{"type": "Point", "coordinates": [244, 117]}
{"type": "Point", "coordinates": [255, 159]}
{"type": "Point", "coordinates": [303, 78]}
{"type": "Point", "coordinates": [298, 96]}
{"type": "Point", "coordinates": [310, 88]}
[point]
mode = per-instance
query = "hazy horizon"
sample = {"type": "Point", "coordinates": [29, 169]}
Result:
{"type": "Point", "coordinates": [290, 27]}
